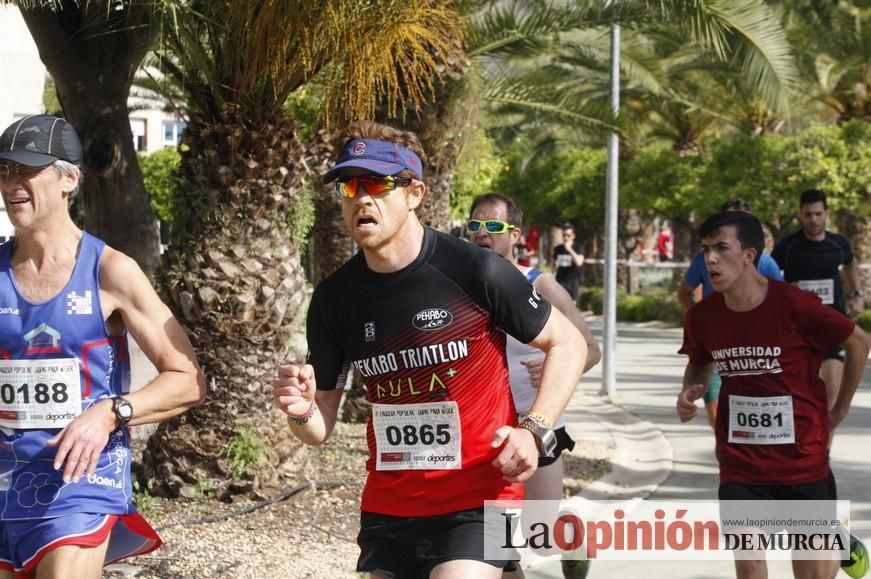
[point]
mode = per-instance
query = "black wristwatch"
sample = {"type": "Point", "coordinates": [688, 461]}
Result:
{"type": "Point", "coordinates": [544, 437]}
{"type": "Point", "coordinates": [123, 409]}
{"type": "Point", "coordinates": [858, 294]}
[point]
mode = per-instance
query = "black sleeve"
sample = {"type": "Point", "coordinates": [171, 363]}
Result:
{"type": "Point", "coordinates": [497, 286]}
{"type": "Point", "coordinates": [514, 304]}
{"type": "Point", "coordinates": [778, 254]}
{"type": "Point", "coordinates": [324, 351]}
{"type": "Point", "coordinates": [848, 250]}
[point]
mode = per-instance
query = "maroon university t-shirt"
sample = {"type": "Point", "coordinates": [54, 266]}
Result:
{"type": "Point", "coordinates": [772, 420]}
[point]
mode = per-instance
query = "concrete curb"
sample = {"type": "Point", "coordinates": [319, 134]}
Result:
{"type": "Point", "coordinates": [643, 457]}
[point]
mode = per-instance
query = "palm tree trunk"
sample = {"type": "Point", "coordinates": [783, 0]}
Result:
{"type": "Point", "coordinates": [332, 244]}
{"type": "Point", "coordinates": [442, 126]}
{"type": "Point", "coordinates": [235, 279]}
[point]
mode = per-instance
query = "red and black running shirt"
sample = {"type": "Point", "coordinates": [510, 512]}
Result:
{"type": "Point", "coordinates": [429, 333]}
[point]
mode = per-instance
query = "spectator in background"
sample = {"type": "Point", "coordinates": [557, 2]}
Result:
{"type": "Point", "coordinates": [665, 243]}
{"type": "Point", "coordinates": [533, 233]}
{"type": "Point", "coordinates": [522, 252]}
{"type": "Point", "coordinates": [567, 261]}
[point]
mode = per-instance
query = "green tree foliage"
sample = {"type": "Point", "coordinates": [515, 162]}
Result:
{"type": "Point", "coordinates": [477, 172]}
{"type": "Point", "coordinates": [661, 182]}
{"type": "Point", "coordinates": [160, 173]}
{"type": "Point", "coordinates": [769, 171]}
{"type": "Point", "coordinates": [568, 185]}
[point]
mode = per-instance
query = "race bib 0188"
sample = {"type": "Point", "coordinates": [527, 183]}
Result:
{"type": "Point", "coordinates": [39, 393]}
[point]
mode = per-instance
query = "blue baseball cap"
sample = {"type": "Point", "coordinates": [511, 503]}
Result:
{"type": "Point", "coordinates": [379, 157]}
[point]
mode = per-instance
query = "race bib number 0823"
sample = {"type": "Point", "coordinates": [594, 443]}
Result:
{"type": "Point", "coordinates": [824, 288]}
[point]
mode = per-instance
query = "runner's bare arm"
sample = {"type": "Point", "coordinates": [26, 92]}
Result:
{"type": "Point", "coordinates": [577, 258]}
{"type": "Point", "coordinates": [695, 381]}
{"type": "Point", "coordinates": [565, 359]}
{"type": "Point", "coordinates": [856, 303]}
{"type": "Point", "coordinates": [565, 352]}
{"type": "Point", "coordinates": [856, 350]}
{"type": "Point", "coordinates": [556, 294]}
{"type": "Point", "coordinates": [294, 391]}
{"type": "Point", "coordinates": [179, 385]}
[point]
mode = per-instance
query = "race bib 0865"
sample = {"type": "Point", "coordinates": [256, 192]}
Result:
{"type": "Point", "coordinates": [417, 436]}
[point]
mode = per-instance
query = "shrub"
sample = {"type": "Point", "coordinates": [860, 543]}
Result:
{"type": "Point", "coordinates": [160, 174]}
{"type": "Point", "coordinates": [863, 320]}
{"type": "Point", "coordinates": [658, 304]}
{"type": "Point", "coordinates": [245, 450]}
{"type": "Point", "coordinates": [591, 300]}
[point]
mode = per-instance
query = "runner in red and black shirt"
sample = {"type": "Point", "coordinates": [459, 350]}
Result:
{"type": "Point", "coordinates": [420, 315]}
{"type": "Point", "coordinates": [766, 339]}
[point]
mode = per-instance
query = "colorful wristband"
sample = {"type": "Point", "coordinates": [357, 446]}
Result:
{"type": "Point", "coordinates": [307, 416]}
{"type": "Point", "coordinates": [540, 420]}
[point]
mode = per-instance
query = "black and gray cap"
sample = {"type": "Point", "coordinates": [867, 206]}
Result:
{"type": "Point", "coordinates": [40, 140]}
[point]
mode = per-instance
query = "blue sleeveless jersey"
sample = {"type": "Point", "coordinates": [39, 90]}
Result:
{"type": "Point", "coordinates": [68, 326]}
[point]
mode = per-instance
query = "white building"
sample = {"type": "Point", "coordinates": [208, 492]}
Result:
{"type": "Point", "coordinates": [23, 85]}
{"type": "Point", "coordinates": [21, 65]}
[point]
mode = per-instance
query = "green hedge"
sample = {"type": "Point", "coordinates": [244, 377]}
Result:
{"type": "Point", "coordinates": [656, 304]}
{"type": "Point", "coordinates": [863, 320]}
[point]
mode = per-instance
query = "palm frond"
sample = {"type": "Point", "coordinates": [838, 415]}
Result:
{"type": "Point", "coordinates": [510, 94]}
{"type": "Point", "coordinates": [763, 50]}
{"type": "Point", "coordinates": [521, 29]}
{"type": "Point", "coordinates": [394, 58]}
{"type": "Point", "coordinates": [253, 55]}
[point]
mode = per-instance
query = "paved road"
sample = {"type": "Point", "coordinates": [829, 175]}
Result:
{"type": "Point", "coordinates": [649, 372]}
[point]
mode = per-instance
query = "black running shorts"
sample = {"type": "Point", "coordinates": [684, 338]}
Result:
{"type": "Point", "coordinates": [409, 547]}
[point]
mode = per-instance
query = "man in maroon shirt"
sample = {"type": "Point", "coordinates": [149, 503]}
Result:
{"type": "Point", "coordinates": [766, 339]}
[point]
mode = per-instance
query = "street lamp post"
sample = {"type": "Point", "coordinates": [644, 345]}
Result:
{"type": "Point", "coordinates": [609, 345]}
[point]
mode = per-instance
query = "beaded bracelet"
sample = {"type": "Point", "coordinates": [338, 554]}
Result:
{"type": "Point", "coordinates": [307, 416]}
{"type": "Point", "coordinates": [540, 419]}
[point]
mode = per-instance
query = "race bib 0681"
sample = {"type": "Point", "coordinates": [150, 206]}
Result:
{"type": "Point", "coordinates": [761, 420]}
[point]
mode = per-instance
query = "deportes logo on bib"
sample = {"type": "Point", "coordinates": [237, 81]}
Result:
{"type": "Point", "coordinates": [432, 319]}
